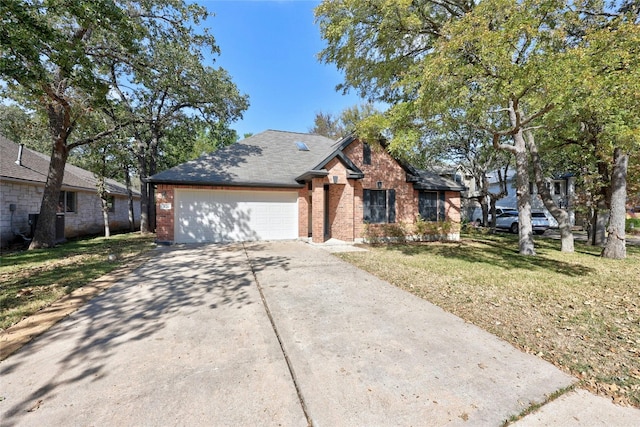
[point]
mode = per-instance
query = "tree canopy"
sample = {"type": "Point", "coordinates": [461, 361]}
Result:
{"type": "Point", "coordinates": [508, 68]}
{"type": "Point", "coordinates": [141, 64]}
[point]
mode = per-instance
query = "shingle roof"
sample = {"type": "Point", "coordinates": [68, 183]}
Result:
{"type": "Point", "coordinates": [270, 158]}
{"type": "Point", "coordinates": [427, 180]}
{"type": "Point", "coordinates": [35, 166]}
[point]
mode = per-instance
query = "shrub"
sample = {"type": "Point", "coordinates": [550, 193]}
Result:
{"type": "Point", "coordinates": [384, 233]}
{"type": "Point", "coordinates": [428, 230]}
{"type": "Point", "coordinates": [371, 234]}
{"type": "Point", "coordinates": [632, 225]}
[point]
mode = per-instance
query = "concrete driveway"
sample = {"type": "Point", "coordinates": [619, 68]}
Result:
{"type": "Point", "coordinates": [268, 334]}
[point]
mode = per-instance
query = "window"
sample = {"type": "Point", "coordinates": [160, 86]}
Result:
{"type": "Point", "coordinates": [557, 188]}
{"type": "Point", "coordinates": [67, 201]}
{"type": "Point", "coordinates": [379, 206]}
{"type": "Point", "coordinates": [531, 188]}
{"type": "Point", "coordinates": [302, 146]}
{"type": "Point", "coordinates": [431, 205]}
{"type": "Point", "coordinates": [111, 203]}
{"type": "Point", "coordinates": [366, 154]}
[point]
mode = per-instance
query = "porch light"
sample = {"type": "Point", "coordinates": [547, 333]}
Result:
{"type": "Point", "coordinates": [379, 185]}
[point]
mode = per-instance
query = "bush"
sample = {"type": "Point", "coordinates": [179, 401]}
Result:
{"type": "Point", "coordinates": [632, 226]}
{"type": "Point", "coordinates": [428, 230]}
{"type": "Point", "coordinates": [383, 233]}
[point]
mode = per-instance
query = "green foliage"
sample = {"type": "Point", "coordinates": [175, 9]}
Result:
{"type": "Point", "coordinates": [385, 233]}
{"type": "Point", "coordinates": [94, 68]}
{"type": "Point", "coordinates": [632, 225]}
{"type": "Point", "coordinates": [401, 232]}
{"type": "Point", "coordinates": [24, 127]}
{"type": "Point", "coordinates": [336, 127]}
{"type": "Point", "coordinates": [433, 230]}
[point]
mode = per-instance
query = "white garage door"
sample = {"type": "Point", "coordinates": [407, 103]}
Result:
{"type": "Point", "coordinates": [234, 215]}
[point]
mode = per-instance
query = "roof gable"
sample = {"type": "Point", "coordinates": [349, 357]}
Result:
{"type": "Point", "coordinates": [271, 158]}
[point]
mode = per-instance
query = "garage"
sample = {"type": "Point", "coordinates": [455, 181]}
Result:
{"type": "Point", "coordinates": [235, 215]}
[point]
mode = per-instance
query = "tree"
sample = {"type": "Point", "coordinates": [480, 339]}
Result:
{"type": "Point", "coordinates": [336, 127]}
{"type": "Point", "coordinates": [500, 66]}
{"type": "Point", "coordinates": [57, 58]}
{"type": "Point", "coordinates": [176, 92]}
{"type": "Point", "coordinates": [49, 59]}
{"type": "Point", "coordinates": [599, 124]}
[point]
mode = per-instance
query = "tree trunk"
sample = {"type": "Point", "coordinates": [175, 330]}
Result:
{"type": "Point", "coordinates": [525, 228]}
{"type": "Point", "coordinates": [616, 247]}
{"type": "Point", "coordinates": [105, 216]}
{"type": "Point", "coordinates": [492, 209]}
{"type": "Point", "coordinates": [45, 232]}
{"type": "Point", "coordinates": [153, 168]}
{"type": "Point", "coordinates": [127, 180]}
{"type": "Point", "coordinates": [561, 215]}
{"type": "Point", "coordinates": [598, 228]}
{"type": "Point", "coordinates": [144, 195]}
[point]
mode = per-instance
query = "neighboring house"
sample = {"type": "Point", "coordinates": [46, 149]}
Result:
{"type": "Point", "coordinates": [562, 190]}
{"type": "Point", "coordinates": [283, 185]}
{"type": "Point", "coordinates": [462, 176]}
{"type": "Point", "coordinates": [23, 173]}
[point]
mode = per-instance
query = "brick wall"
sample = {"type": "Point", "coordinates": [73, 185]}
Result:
{"type": "Point", "coordinates": [384, 169]}
{"type": "Point", "coordinates": [317, 211]}
{"type": "Point", "coordinates": [164, 213]}
{"type": "Point", "coordinates": [304, 206]}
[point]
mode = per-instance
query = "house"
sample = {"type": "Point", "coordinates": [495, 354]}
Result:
{"type": "Point", "coordinates": [284, 185]}
{"type": "Point", "coordinates": [23, 173]}
{"type": "Point", "coordinates": [461, 175]}
{"type": "Point", "coordinates": [561, 187]}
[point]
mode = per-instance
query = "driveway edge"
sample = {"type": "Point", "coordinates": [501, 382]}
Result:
{"type": "Point", "coordinates": [16, 336]}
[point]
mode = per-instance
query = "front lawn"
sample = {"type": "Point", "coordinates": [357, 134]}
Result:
{"type": "Point", "coordinates": [578, 311]}
{"type": "Point", "coordinates": [31, 280]}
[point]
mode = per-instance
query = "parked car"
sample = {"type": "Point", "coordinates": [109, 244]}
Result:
{"type": "Point", "coordinates": [508, 220]}
{"type": "Point", "coordinates": [477, 214]}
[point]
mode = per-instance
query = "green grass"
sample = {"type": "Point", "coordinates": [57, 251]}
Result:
{"type": "Point", "coordinates": [31, 280]}
{"type": "Point", "coordinates": [577, 310]}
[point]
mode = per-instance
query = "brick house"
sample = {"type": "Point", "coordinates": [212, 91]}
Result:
{"type": "Point", "coordinates": [285, 185]}
{"type": "Point", "coordinates": [23, 173]}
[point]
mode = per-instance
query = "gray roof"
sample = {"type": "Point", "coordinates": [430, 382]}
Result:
{"type": "Point", "coordinates": [35, 166]}
{"type": "Point", "coordinates": [270, 158]}
{"type": "Point", "coordinates": [427, 180]}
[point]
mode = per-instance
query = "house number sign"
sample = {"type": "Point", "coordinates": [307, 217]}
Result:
{"type": "Point", "coordinates": [165, 206]}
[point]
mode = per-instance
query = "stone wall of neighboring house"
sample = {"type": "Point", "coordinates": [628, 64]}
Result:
{"type": "Point", "coordinates": [86, 220]}
{"type": "Point", "coordinates": [27, 199]}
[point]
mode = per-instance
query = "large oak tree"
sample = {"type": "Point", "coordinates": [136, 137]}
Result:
{"type": "Point", "coordinates": [57, 56]}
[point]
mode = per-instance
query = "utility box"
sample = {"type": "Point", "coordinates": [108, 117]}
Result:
{"type": "Point", "coordinates": [33, 220]}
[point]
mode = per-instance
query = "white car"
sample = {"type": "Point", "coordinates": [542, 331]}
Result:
{"type": "Point", "coordinates": [508, 220]}
{"type": "Point", "coordinates": [477, 214]}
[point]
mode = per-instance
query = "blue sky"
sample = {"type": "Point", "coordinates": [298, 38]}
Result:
{"type": "Point", "coordinates": [270, 49]}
